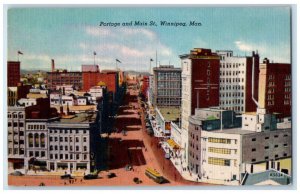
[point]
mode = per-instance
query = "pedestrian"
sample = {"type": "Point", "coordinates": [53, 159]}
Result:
{"type": "Point", "coordinates": [81, 180]}
{"type": "Point", "coordinates": [70, 181]}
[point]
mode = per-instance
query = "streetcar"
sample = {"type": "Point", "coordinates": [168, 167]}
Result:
{"type": "Point", "coordinates": [154, 175]}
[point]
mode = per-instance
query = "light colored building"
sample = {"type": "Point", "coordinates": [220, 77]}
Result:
{"type": "Point", "coordinates": [16, 137]}
{"type": "Point", "coordinates": [224, 155]}
{"type": "Point", "coordinates": [12, 96]}
{"type": "Point", "coordinates": [167, 86]}
{"type": "Point", "coordinates": [66, 89]}
{"type": "Point", "coordinates": [27, 102]}
{"type": "Point", "coordinates": [236, 82]}
{"type": "Point", "coordinates": [58, 99]}
{"type": "Point", "coordinates": [37, 144]}
{"type": "Point", "coordinates": [72, 143]}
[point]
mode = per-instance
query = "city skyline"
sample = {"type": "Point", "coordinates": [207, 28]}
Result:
{"type": "Point", "coordinates": [71, 35]}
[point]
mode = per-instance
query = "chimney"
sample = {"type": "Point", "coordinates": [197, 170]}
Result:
{"type": "Point", "coordinates": [52, 65]}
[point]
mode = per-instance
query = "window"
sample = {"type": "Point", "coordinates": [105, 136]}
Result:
{"type": "Point", "coordinates": [77, 148]}
{"type": "Point", "coordinates": [84, 139]}
{"type": "Point", "coordinates": [253, 160]}
{"type": "Point", "coordinates": [285, 145]}
{"type": "Point", "coordinates": [275, 136]}
{"type": "Point", "coordinates": [253, 149]}
{"type": "Point", "coordinates": [253, 139]}
{"type": "Point", "coordinates": [267, 138]}
{"type": "Point", "coordinates": [266, 147]}
{"type": "Point", "coordinates": [66, 148]}
{"type": "Point", "coordinates": [219, 140]}
{"type": "Point", "coordinates": [219, 150]}
{"type": "Point", "coordinates": [276, 156]}
{"type": "Point", "coordinates": [77, 139]}
{"type": "Point", "coordinates": [218, 161]}
{"type": "Point", "coordinates": [84, 148]}
{"type": "Point", "coordinates": [61, 156]}
{"type": "Point", "coordinates": [276, 146]}
{"type": "Point", "coordinates": [43, 154]}
{"type": "Point", "coordinates": [266, 157]}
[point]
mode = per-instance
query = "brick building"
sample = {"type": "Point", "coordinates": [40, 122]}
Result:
{"type": "Point", "coordinates": [110, 78]}
{"type": "Point", "coordinates": [13, 73]}
{"type": "Point", "coordinates": [275, 92]}
{"type": "Point", "coordinates": [59, 78]}
{"type": "Point", "coordinates": [145, 85]}
{"type": "Point", "coordinates": [200, 87]}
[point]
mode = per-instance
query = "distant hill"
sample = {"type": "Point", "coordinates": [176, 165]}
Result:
{"type": "Point", "coordinates": [136, 73]}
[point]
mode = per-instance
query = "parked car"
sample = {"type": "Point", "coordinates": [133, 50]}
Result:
{"type": "Point", "coordinates": [17, 173]}
{"type": "Point", "coordinates": [111, 175]}
{"type": "Point", "coordinates": [66, 176]}
{"type": "Point", "coordinates": [90, 176]}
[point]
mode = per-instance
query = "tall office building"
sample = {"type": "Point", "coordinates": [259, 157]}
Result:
{"type": "Point", "coordinates": [200, 86]}
{"type": "Point", "coordinates": [236, 81]}
{"type": "Point", "coordinates": [167, 86]}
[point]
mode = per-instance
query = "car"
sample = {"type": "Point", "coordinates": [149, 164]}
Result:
{"type": "Point", "coordinates": [17, 173]}
{"type": "Point", "coordinates": [66, 176]}
{"type": "Point", "coordinates": [111, 175]}
{"type": "Point", "coordinates": [90, 176]}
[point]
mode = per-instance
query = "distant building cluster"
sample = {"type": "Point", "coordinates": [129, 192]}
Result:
{"type": "Point", "coordinates": [55, 126]}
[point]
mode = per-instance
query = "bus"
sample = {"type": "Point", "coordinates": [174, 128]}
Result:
{"type": "Point", "coordinates": [154, 175]}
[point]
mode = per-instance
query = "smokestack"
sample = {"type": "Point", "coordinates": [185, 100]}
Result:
{"type": "Point", "coordinates": [252, 88]}
{"type": "Point", "coordinates": [52, 65]}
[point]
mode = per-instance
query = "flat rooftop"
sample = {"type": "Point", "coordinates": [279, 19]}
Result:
{"type": "Point", "coordinates": [170, 113]}
{"type": "Point", "coordinates": [79, 118]}
{"type": "Point", "coordinates": [234, 131]}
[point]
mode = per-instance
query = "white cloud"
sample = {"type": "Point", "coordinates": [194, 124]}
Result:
{"type": "Point", "coordinates": [248, 47]}
{"type": "Point", "coordinates": [277, 53]}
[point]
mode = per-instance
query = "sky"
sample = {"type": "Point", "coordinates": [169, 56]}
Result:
{"type": "Point", "coordinates": [71, 35]}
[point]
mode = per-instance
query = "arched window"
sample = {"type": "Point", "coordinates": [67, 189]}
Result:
{"type": "Point", "coordinates": [36, 140]}
{"type": "Point", "coordinates": [30, 139]}
{"type": "Point", "coordinates": [43, 140]}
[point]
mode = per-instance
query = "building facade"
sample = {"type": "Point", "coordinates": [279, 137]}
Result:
{"type": "Point", "coordinates": [16, 137]}
{"type": "Point", "coordinates": [275, 88]}
{"type": "Point", "coordinates": [200, 86]}
{"type": "Point", "coordinates": [223, 155]}
{"type": "Point", "coordinates": [167, 86]}
{"type": "Point", "coordinates": [236, 81]}
{"type": "Point", "coordinates": [13, 73]}
{"type": "Point", "coordinates": [64, 78]}
{"type": "Point", "coordinates": [72, 143]}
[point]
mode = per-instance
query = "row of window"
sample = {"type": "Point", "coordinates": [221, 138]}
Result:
{"type": "Point", "coordinates": [220, 150]}
{"type": "Point", "coordinates": [66, 139]}
{"type": "Point", "coordinates": [267, 157]}
{"type": "Point", "coordinates": [15, 124]}
{"type": "Point", "coordinates": [68, 156]}
{"type": "Point", "coordinates": [235, 101]}
{"type": "Point", "coordinates": [229, 65]}
{"type": "Point", "coordinates": [218, 161]}
{"type": "Point", "coordinates": [15, 115]}
{"type": "Point", "coordinates": [67, 148]}
{"type": "Point", "coordinates": [36, 127]}
{"type": "Point", "coordinates": [220, 140]}
{"type": "Point", "coordinates": [41, 154]}
{"type": "Point", "coordinates": [16, 151]}
{"type": "Point", "coordinates": [66, 131]}
{"type": "Point", "coordinates": [231, 80]}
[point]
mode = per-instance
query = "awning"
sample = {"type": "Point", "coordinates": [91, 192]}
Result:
{"type": "Point", "coordinates": [173, 144]}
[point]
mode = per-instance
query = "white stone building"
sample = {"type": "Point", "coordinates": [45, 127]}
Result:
{"type": "Point", "coordinates": [235, 81]}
